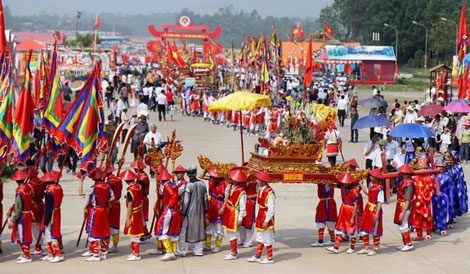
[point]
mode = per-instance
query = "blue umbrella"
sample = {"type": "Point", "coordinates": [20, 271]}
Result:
{"type": "Point", "coordinates": [371, 103]}
{"type": "Point", "coordinates": [411, 131]}
{"type": "Point", "coordinates": [371, 121]}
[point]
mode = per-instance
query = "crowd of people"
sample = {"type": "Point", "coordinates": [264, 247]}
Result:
{"type": "Point", "coordinates": [242, 208]}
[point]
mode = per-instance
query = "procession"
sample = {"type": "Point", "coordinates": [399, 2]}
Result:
{"type": "Point", "coordinates": [202, 149]}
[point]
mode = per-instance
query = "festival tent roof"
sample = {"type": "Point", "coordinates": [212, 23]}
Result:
{"type": "Point", "coordinates": [43, 37]}
{"type": "Point", "coordinates": [30, 45]}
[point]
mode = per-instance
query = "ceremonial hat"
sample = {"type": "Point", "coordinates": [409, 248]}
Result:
{"type": "Point", "coordinates": [413, 163]}
{"type": "Point", "coordinates": [108, 169]}
{"type": "Point", "coordinates": [449, 158]}
{"type": "Point", "coordinates": [164, 176]}
{"type": "Point", "coordinates": [467, 123]}
{"type": "Point", "coordinates": [376, 173]}
{"type": "Point", "coordinates": [179, 168]}
{"type": "Point", "coordinates": [263, 176]}
{"type": "Point", "coordinates": [347, 178]}
{"type": "Point", "coordinates": [406, 169]}
{"type": "Point", "coordinates": [51, 176]}
{"type": "Point", "coordinates": [238, 176]}
{"type": "Point", "coordinates": [20, 175]}
{"type": "Point", "coordinates": [353, 163]}
{"type": "Point", "coordinates": [138, 165]}
{"type": "Point", "coordinates": [113, 179]}
{"type": "Point", "coordinates": [214, 172]}
{"type": "Point", "coordinates": [97, 174]}
{"type": "Point", "coordinates": [440, 161]}
{"type": "Point", "coordinates": [31, 172]}
{"type": "Point", "coordinates": [128, 175]}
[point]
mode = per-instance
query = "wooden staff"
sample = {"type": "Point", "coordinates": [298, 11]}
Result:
{"type": "Point", "coordinates": [436, 180]}
{"type": "Point", "coordinates": [81, 231]}
{"type": "Point", "coordinates": [126, 144]}
{"type": "Point", "coordinates": [4, 225]}
{"type": "Point", "coordinates": [116, 135]}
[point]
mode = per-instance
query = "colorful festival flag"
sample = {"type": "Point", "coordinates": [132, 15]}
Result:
{"type": "Point", "coordinates": [265, 80]}
{"type": "Point", "coordinates": [53, 113]}
{"type": "Point", "coordinates": [82, 128]}
{"type": "Point", "coordinates": [98, 22]}
{"type": "Point", "coordinates": [175, 57]}
{"type": "Point", "coordinates": [23, 123]}
{"type": "Point", "coordinates": [6, 116]}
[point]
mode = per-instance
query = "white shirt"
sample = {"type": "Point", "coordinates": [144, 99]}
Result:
{"type": "Point", "coordinates": [445, 138]}
{"type": "Point", "coordinates": [392, 149]}
{"type": "Point", "coordinates": [270, 204]}
{"type": "Point", "coordinates": [342, 105]}
{"type": "Point", "coordinates": [157, 138]}
{"type": "Point", "coordinates": [161, 99]}
{"type": "Point", "coordinates": [145, 91]}
{"type": "Point", "coordinates": [141, 107]}
{"type": "Point", "coordinates": [377, 158]}
{"type": "Point", "coordinates": [399, 159]}
{"type": "Point", "coordinates": [372, 152]}
{"type": "Point", "coordinates": [410, 117]}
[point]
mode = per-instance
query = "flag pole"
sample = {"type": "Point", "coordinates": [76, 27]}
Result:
{"type": "Point", "coordinates": [241, 136]}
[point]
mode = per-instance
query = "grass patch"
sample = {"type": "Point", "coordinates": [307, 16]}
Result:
{"type": "Point", "coordinates": [401, 85]}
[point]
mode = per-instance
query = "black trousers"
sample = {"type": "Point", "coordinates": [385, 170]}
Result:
{"type": "Point", "coordinates": [161, 111]}
{"type": "Point", "coordinates": [354, 135]}
{"type": "Point", "coordinates": [341, 116]}
{"type": "Point", "coordinates": [332, 160]}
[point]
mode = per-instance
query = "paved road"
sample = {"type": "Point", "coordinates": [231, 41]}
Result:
{"type": "Point", "coordinates": [295, 227]}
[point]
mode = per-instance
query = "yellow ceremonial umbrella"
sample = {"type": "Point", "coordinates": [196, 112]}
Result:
{"type": "Point", "coordinates": [238, 101]}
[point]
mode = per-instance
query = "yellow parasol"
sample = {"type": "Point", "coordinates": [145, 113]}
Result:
{"type": "Point", "coordinates": [238, 101]}
{"type": "Point", "coordinates": [200, 65]}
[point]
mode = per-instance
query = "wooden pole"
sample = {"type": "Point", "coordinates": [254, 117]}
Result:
{"type": "Point", "coordinates": [241, 137]}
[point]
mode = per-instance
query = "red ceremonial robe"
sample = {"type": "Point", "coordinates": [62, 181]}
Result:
{"type": "Point", "coordinates": [421, 214]}
{"type": "Point", "coordinates": [216, 199]}
{"type": "Point", "coordinates": [171, 203]}
{"type": "Point", "coordinates": [98, 225]}
{"type": "Point", "coordinates": [54, 195]}
{"type": "Point", "coordinates": [248, 221]}
{"type": "Point", "coordinates": [135, 194]}
{"type": "Point", "coordinates": [230, 217]}
{"type": "Point", "coordinates": [401, 199]}
{"type": "Point", "coordinates": [349, 197]}
{"type": "Point", "coordinates": [263, 208]}
{"type": "Point", "coordinates": [326, 208]}
{"type": "Point", "coordinates": [367, 223]}
{"type": "Point", "coordinates": [26, 195]}
{"type": "Point", "coordinates": [115, 207]}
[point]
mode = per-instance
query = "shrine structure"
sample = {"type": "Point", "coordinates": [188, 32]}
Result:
{"type": "Point", "coordinates": [185, 30]}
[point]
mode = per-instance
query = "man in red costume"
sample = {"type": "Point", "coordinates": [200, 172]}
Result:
{"type": "Point", "coordinates": [234, 209]}
{"type": "Point", "coordinates": [21, 216]}
{"type": "Point", "coordinates": [143, 179]}
{"type": "Point", "coordinates": [264, 219]}
{"type": "Point", "coordinates": [52, 219]}
{"type": "Point", "coordinates": [114, 208]}
{"type": "Point", "coordinates": [37, 209]}
{"type": "Point", "coordinates": [326, 214]}
{"type": "Point", "coordinates": [347, 218]}
{"type": "Point", "coordinates": [217, 186]}
{"type": "Point", "coordinates": [169, 223]}
{"type": "Point", "coordinates": [101, 195]}
{"type": "Point", "coordinates": [421, 214]}
{"type": "Point", "coordinates": [246, 229]}
{"type": "Point", "coordinates": [134, 227]}
{"type": "Point", "coordinates": [371, 221]}
{"type": "Point", "coordinates": [403, 207]}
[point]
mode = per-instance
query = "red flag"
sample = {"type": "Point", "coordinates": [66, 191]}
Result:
{"type": "Point", "coordinates": [324, 37]}
{"type": "Point", "coordinates": [348, 68]}
{"type": "Point", "coordinates": [397, 71]}
{"type": "Point", "coordinates": [328, 30]}
{"type": "Point", "coordinates": [3, 40]}
{"type": "Point", "coordinates": [298, 32]}
{"type": "Point", "coordinates": [463, 33]}
{"type": "Point", "coordinates": [175, 57]}
{"type": "Point", "coordinates": [308, 66]}
{"type": "Point", "coordinates": [463, 82]}
{"type": "Point", "coordinates": [194, 54]}
{"type": "Point", "coordinates": [98, 21]}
